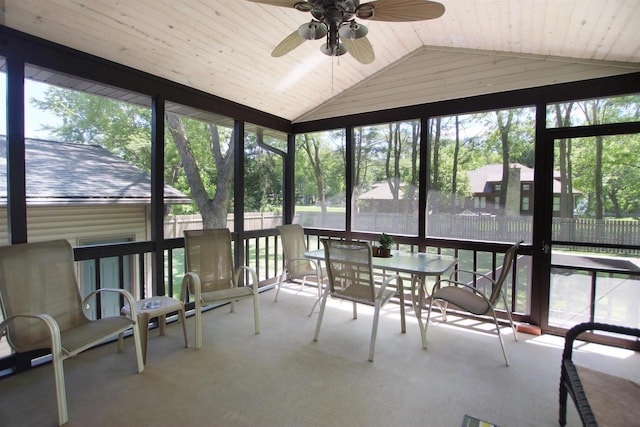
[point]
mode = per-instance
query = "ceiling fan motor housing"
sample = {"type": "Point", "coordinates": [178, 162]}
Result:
{"type": "Point", "coordinates": [332, 11]}
{"type": "Point", "coordinates": [336, 20]}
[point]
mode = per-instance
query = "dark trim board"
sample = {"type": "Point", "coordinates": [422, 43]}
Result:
{"type": "Point", "coordinates": [46, 54]}
{"type": "Point", "coordinates": [593, 88]}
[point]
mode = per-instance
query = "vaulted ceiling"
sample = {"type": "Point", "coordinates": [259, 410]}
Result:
{"type": "Point", "coordinates": [223, 47]}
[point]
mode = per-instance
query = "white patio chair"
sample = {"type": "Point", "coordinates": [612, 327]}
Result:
{"type": "Point", "coordinates": [472, 299]}
{"type": "Point", "coordinates": [43, 309]}
{"type": "Point", "coordinates": [349, 269]}
{"type": "Point", "coordinates": [211, 277]}
{"type": "Point", "coordinates": [297, 267]}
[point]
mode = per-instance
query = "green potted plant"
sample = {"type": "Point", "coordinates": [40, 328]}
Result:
{"type": "Point", "coordinates": [385, 242]}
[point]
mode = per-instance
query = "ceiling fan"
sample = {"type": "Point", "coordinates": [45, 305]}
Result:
{"type": "Point", "coordinates": [335, 20]}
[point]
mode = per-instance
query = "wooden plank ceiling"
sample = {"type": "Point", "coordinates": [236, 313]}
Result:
{"type": "Point", "coordinates": [223, 47]}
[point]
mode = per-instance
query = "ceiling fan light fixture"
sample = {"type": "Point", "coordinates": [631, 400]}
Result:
{"type": "Point", "coordinates": [366, 11]}
{"type": "Point", "coordinates": [338, 50]}
{"type": "Point", "coordinates": [336, 19]}
{"type": "Point", "coordinates": [313, 30]}
{"type": "Point", "coordinates": [353, 31]}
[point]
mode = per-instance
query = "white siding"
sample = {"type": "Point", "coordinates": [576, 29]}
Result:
{"type": "Point", "coordinates": [76, 223]}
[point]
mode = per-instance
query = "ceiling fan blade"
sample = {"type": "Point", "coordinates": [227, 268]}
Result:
{"type": "Point", "coordinates": [281, 3]}
{"type": "Point", "coordinates": [400, 10]}
{"type": "Point", "coordinates": [289, 43]}
{"type": "Point", "coordinates": [360, 49]}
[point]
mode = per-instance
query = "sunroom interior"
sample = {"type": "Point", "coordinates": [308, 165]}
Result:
{"type": "Point", "coordinates": [544, 93]}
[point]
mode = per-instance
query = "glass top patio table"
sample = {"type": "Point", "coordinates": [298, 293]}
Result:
{"type": "Point", "coordinates": [418, 264]}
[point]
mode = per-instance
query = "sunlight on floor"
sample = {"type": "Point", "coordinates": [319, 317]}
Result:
{"type": "Point", "coordinates": [581, 346]}
{"type": "Point", "coordinates": [463, 324]}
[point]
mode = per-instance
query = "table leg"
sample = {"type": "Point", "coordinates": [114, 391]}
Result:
{"type": "Point", "coordinates": [162, 323]}
{"type": "Point", "coordinates": [417, 304]}
{"type": "Point", "coordinates": [143, 326]}
{"type": "Point", "coordinates": [403, 323]}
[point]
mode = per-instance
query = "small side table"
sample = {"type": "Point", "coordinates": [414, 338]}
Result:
{"type": "Point", "coordinates": [159, 307]}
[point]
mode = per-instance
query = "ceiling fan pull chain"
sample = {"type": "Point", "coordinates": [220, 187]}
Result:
{"type": "Point", "coordinates": [332, 61]}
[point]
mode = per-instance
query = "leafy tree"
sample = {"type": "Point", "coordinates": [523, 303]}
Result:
{"type": "Point", "coordinates": [563, 119]}
{"type": "Point", "coordinates": [310, 144]}
{"type": "Point", "coordinates": [608, 188]}
{"type": "Point", "coordinates": [505, 122]}
{"type": "Point", "coordinates": [125, 130]}
{"type": "Point", "coordinates": [263, 174]}
{"type": "Point", "coordinates": [435, 127]}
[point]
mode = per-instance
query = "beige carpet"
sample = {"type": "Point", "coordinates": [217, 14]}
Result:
{"type": "Point", "coordinates": [282, 378]}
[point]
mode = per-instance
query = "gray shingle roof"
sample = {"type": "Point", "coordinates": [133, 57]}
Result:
{"type": "Point", "coordinates": [58, 172]}
{"type": "Point", "coordinates": [492, 173]}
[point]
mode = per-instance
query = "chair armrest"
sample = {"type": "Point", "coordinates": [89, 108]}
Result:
{"type": "Point", "coordinates": [193, 279]}
{"type": "Point", "coordinates": [49, 321]}
{"type": "Point", "coordinates": [128, 296]}
{"type": "Point", "coordinates": [473, 273]}
{"type": "Point", "coordinates": [574, 332]}
{"type": "Point", "coordinates": [252, 273]}
{"type": "Point", "coordinates": [316, 265]}
{"type": "Point", "coordinates": [386, 281]}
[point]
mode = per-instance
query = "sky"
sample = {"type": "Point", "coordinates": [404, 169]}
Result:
{"type": "Point", "coordinates": [34, 117]}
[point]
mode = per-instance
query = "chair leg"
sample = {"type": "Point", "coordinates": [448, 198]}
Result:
{"type": "Point", "coordinates": [320, 284]}
{"type": "Point", "coordinates": [314, 305]}
{"type": "Point", "coordinates": [504, 350]}
{"type": "Point", "coordinates": [279, 285]}
{"type": "Point", "coordinates": [443, 309]}
{"type": "Point", "coordinates": [321, 314]}
{"type": "Point", "coordinates": [198, 314]}
{"type": "Point", "coordinates": [355, 311]}
{"type": "Point", "coordinates": [256, 314]}
{"type": "Point", "coordinates": [120, 342]}
{"type": "Point", "coordinates": [513, 327]}
{"type": "Point", "coordinates": [562, 415]}
{"type": "Point", "coordinates": [61, 394]}
{"type": "Point", "coordinates": [374, 330]}
{"type": "Point", "coordinates": [183, 320]}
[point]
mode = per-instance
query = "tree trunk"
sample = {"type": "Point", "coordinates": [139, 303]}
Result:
{"type": "Point", "coordinates": [213, 211]}
{"type": "Point", "coordinates": [454, 172]}
{"type": "Point", "coordinates": [564, 159]}
{"type": "Point", "coordinates": [310, 146]}
{"type": "Point", "coordinates": [504, 129]}
{"type": "Point", "coordinates": [435, 146]}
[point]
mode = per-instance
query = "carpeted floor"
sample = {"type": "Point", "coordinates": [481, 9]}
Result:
{"type": "Point", "coordinates": [282, 378]}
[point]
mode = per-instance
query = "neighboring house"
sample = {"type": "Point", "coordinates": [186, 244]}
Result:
{"type": "Point", "coordinates": [85, 194]}
{"type": "Point", "coordinates": [486, 183]}
{"type": "Point", "coordinates": [380, 199]}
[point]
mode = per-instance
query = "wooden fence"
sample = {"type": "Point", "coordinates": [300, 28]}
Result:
{"type": "Point", "coordinates": [174, 225]}
{"type": "Point", "coordinates": [479, 227]}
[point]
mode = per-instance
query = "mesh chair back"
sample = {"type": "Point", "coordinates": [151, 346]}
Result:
{"type": "Point", "coordinates": [39, 278]}
{"type": "Point", "coordinates": [294, 246]}
{"type": "Point", "coordinates": [507, 263]}
{"type": "Point", "coordinates": [349, 269]}
{"type": "Point", "coordinates": [208, 253]}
